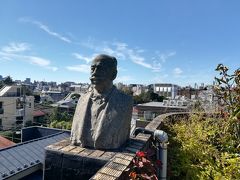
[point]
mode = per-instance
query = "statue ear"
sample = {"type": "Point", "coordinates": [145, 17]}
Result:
{"type": "Point", "coordinates": [114, 74]}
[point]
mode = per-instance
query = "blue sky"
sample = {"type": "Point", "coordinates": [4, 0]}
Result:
{"type": "Point", "coordinates": [156, 41]}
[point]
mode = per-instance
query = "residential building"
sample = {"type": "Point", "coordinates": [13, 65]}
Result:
{"type": "Point", "coordinates": [167, 90]}
{"type": "Point", "coordinates": [208, 98]}
{"type": "Point", "coordinates": [79, 88]}
{"type": "Point", "coordinates": [137, 89]}
{"type": "Point", "coordinates": [52, 96]}
{"type": "Point", "coordinates": [18, 82]}
{"type": "Point", "coordinates": [188, 92]}
{"type": "Point", "coordinates": [151, 110]}
{"type": "Point", "coordinates": [68, 104]}
{"type": "Point", "coordinates": [15, 108]}
{"type": "Point", "coordinates": [27, 81]}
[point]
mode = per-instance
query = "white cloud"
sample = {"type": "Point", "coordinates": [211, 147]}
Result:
{"type": "Point", "coordinates": [38, 61]}
{"type": "Point", "coordinates": [121, 69]}
{"type": "Point", "coordinates": [140, 60]}
{"type": "Point", "coordinates": [85, 58]}
{"type": "Point", "coordinates": [177, 71]}
{"type": "Point", "coordinates": [12, 52]}
{"type": "Point", "coordinates": [46, 29]}
{"type": "Point", "coordinates": [52, 68]}
{"type": "Point", "coordinates": [6, 56]}
{"type": "Point", "coordinates": [124, 79]}
{"type": "Point", "coordinates": [159, 79]}
{"type": "Point", "coordinates": [121, 50]}
{"type": "Point", "coordinates": [165, 56]}
{"type": "Point", "coordinates": [15, 47]}
{"type": "Point", "coordinates": [114, 51]}
{"type": "Point", "coordinates": [79, 68]}
{"type": "Point", "coordinates": [124, 52]}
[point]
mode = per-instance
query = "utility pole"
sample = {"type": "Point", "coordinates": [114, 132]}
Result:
{"type": "Point", "coordinates": [24, 105]}
{"type": "Point", "coordinates": [23, 101]}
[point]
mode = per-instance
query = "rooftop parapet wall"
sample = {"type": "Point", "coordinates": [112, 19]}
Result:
{"type": "Point", "coordinates": [114, 168]}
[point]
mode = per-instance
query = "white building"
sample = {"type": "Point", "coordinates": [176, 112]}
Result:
{"type": "Point", "coordinates": [15, 109]}
{"type": "Point", "coordinates": [208, 98]}
{"type": "Point", "coordinates": [138, 89]}
{"type": "Point", "coordinates": [79, 88]}
{"type": "Point", "coordinates": [166, 90]}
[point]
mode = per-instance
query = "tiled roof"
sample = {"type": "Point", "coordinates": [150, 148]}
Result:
{"type": "Point", "coordinates": [26, 156]}
{"type": "Point", "coordinates": [37, 113]}
{"type": "Point", "coordinates": [5, 142]}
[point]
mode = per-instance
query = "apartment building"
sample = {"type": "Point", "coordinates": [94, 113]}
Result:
{"type": "Point", "coordinates": [15, 108]}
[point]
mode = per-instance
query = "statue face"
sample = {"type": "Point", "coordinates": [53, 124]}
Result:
{"type": "Point", "coordinates": [101, 73]}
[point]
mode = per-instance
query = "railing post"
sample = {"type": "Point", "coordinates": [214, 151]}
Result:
{"type": "Point", "coordinates": [161, 142]}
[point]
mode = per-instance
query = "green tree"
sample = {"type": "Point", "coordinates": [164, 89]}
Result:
{"type": "Point", "coordinates": [127, 91]}
{"type": "Point", "coordinates": [227, 89]}
{"type": "Point", "coordinates": [1, 84]}
{"type": "Point", "coordinates": [57, 115]}
{"type": "Point", "coordinates": [8, 81]}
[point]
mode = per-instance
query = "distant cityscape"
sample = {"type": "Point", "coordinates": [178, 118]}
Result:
{"type": "Point", "coordinates": [24, 103]}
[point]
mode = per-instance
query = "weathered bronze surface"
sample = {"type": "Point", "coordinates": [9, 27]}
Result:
{"type": "Point", "coordinates": [103, 114]}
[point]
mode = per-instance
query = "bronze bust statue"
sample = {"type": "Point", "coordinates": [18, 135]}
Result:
{"type": "Point", "coordinates": [103, 115]}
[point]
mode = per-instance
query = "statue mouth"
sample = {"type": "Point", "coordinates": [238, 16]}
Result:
{"type": "Point", "coordinates": [96, 79]}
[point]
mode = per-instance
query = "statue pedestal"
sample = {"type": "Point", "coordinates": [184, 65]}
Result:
{"type": "Point", "coordinates": [65, 161]}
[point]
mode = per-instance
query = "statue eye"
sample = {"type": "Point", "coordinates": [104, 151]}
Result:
{"type": "Point", "coordinates": [92, 68]}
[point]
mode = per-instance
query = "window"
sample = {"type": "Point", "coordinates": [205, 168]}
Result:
{"type": "Point", "coordinates": [30, 105]}
{"type": "Point", "coordinates": [18, 92]}
{"type": "Point", "coordinates": [1, 108]}
{"type": "Point", "coordinates": [19, 104]}
{"type": "Point", "coordinates": [0, 123]}
{"type": "Point", "coordinates": [19, 118]}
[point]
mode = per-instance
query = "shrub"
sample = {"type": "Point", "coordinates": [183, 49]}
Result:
{"type": "Point", "coordinates": [202, 148]}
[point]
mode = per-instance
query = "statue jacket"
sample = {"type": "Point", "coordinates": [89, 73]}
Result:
{"type": "Point", "coordinates": [112, 127]}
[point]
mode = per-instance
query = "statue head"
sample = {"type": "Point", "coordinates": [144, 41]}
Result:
{"type": "Point", "coordinates": [103, 72]}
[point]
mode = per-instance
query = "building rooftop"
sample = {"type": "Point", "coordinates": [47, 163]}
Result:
{"type": "Point", "coordinates": [4, 142]}
{"type": "Point", "coordinates": [37, 113]}
{"type": "Point", "coordinates": [4, 90]}
{"type": "Point", "coordinates": [27, 157]}
{"type": "Point", "coordinates": [159, 104]}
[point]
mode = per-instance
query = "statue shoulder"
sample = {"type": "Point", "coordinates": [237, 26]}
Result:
{"type": "Point", "coordinates": [85, 95]}
{"type": "Point", "coordinates": [123, 96]}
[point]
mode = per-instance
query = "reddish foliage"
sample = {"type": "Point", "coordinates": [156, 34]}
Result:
{"type": "Point", "coordinates": [140, 154]}
{"type": "Point", "coordinates": [143, 166]}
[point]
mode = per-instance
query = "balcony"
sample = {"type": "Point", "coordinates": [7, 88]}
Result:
{"type": "Point", "coordinates": [20, 112]}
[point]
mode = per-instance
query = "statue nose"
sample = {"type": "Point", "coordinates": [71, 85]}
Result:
{"type": "Point", "coordinates": [94, 71]}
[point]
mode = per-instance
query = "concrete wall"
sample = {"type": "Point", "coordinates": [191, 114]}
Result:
{"type": "Point", "coordinates": [10, 111]}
